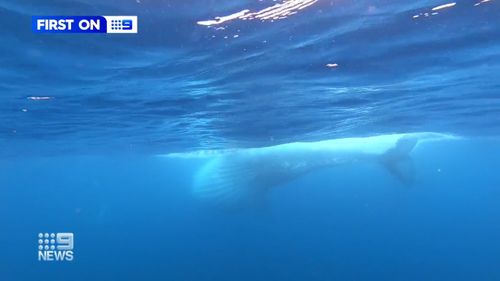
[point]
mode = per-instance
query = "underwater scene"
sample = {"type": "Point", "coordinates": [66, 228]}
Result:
{"type": "Point", "coordinates": [252, 140]}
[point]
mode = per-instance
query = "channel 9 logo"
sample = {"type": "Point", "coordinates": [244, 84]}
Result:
{"type": "Point", "coordinates": [55, 246]}
{"type": "Point", "coordinates": [84, 24]}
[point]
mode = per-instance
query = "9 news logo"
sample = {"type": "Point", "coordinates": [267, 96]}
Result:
{"type": "Point", "coordinates": [84, 24]}
{"type": "Point", "coordinates": [55, 246]}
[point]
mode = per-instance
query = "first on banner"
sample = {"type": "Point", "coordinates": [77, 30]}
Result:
{"type": "Point", "coordinates": [84, 24]}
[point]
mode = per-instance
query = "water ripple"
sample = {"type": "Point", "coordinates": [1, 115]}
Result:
{"type": "Point", "coordinates": [201, 75]}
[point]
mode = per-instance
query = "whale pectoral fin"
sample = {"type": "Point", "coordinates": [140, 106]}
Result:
{"type": "Point", "coordinates": [398, 162]}
{"type": "Point", "coordinates": [229, 183]}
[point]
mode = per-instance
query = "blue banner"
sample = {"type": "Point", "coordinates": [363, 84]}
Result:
{"type": "Point", "coordinates": [69, 24]}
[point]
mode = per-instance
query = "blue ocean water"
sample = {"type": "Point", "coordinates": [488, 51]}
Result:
{"type": "Point", "coordinates": [85, 116]}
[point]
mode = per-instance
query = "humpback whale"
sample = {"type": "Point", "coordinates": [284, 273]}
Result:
{"type": "Point", "coordinates": [241, 176]}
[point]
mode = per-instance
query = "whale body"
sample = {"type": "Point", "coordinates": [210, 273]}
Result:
{"type": "Point", "coordinates": [243, 176]}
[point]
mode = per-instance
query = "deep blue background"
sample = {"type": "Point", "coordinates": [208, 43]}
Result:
{"type": "Point", "coordinates": [135, 219]}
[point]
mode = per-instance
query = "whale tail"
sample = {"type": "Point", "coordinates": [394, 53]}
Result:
{"type": "Point", "coordinates": [397, 160]}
